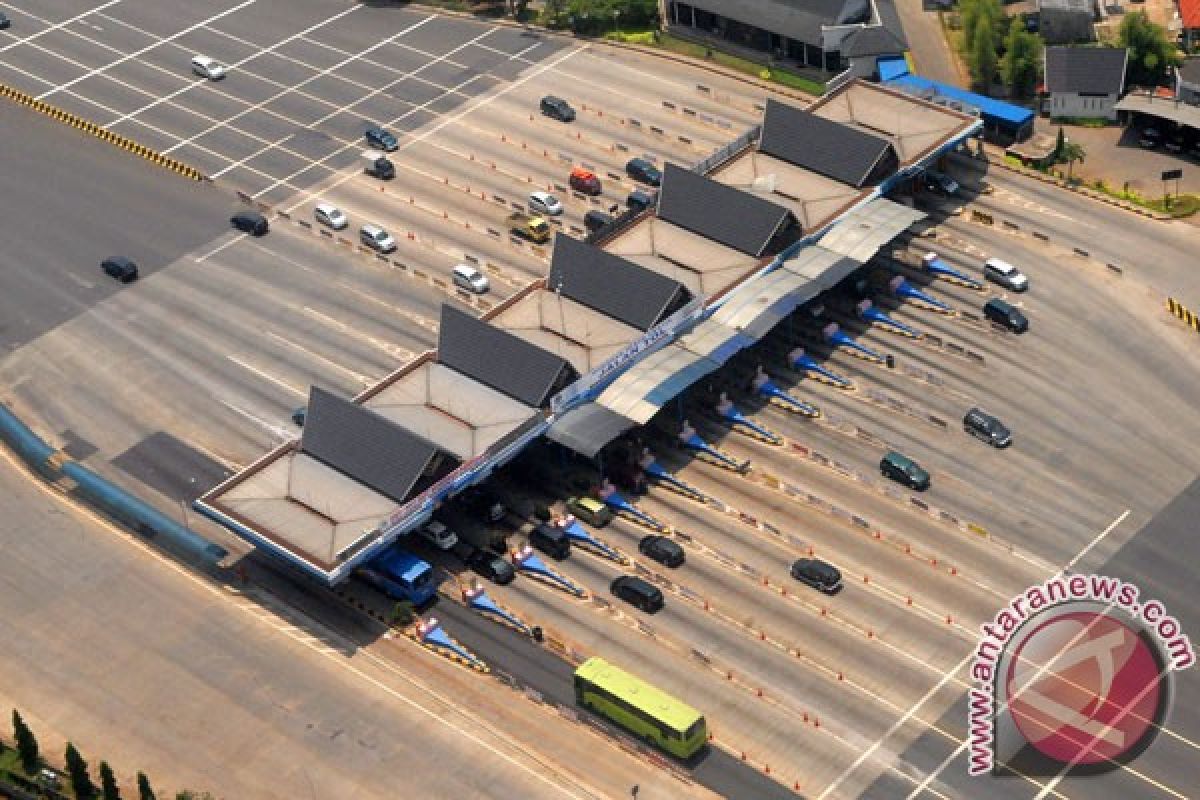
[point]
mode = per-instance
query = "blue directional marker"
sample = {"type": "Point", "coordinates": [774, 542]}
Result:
{"type": "Point", "coordinates": [692, 441]}
{"type": "Point", "coordinates": [936, 265]}
{"type": "Point", "coordinates": [430, 634]}
{"type": "Point", "coordinates": [867, 310]}
{"type": "Point", "coordinates": [659, 474]}
{"type": "Point", "coordinates": [613, 499]}
{"type": "Point", "coordinates": [802, 362]}
{"type": "Point", "coordinates": [902, 288]}
{"type": "Point", "coordinates": [834, 335]}
{"type": "Point", "coordinates": [766, 387]}
{"type": "Point", "coordinates": [734, 416]}
{"type": "Point", "coordinates": [477, 598]}
{"type": "Point", "coordinates": [525, 560]}
{"type": "Point", "coordinates": [580, 535]}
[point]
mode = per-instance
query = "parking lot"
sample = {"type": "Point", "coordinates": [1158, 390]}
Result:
{"type": "Point", "coordinates": [170, 384]}
{"type": "Point", "coordinates": [285, 125]}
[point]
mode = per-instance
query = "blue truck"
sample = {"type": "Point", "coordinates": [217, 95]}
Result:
{"type": "Point", "coordinates": [401, 576]}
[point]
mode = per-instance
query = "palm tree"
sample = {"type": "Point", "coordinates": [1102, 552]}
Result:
{"type": "Point", "coordinates": [1071, 152]}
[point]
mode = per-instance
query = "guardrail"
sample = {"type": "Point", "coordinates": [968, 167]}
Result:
{"type": "Point", "coordinates": [89, 127]}
{"type": "Point", "coordinates": [73, 478]}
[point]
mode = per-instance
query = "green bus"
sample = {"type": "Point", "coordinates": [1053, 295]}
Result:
{"type": "Point", "coordinates": [647, 712]}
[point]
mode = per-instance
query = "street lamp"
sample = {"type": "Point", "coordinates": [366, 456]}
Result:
{"type": "Point", "coordinates": [616, 21]}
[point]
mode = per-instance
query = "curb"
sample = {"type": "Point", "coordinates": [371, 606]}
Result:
{"type": "Point", "coordinates": [91, 128]}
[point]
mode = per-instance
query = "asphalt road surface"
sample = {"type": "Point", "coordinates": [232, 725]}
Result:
{"type": "Point", "coordinates": [71, 202]}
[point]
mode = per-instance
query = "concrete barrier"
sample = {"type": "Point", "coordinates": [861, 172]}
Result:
{"type": "Point", "coordinates": [1081, 252]}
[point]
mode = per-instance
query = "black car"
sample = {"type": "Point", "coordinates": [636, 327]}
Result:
{"type": "Point", "coordinates": [818, 574]}
{"type": "Point", "coordinates": [250, 222]}
{"type": "Point", "coordinates": [1150, 138]}
{"type": "Point", "coordinates": [120, 268]}
{"type": "Point", "coordinates": [557, 108]}
{"type": "Point", "coordinates": [380, 139]}
{"type": "Point", "coordinates": [662, 549]}
{"type": "Point", "coordinates": [1006, 315]}
{"type": "Point", "coordinates": [983, 425]}
{"type": "Point", "coordinates": [639, 200]}
{"type": "Point", "coordinates": [637, 592]}
{"type": "Point", "coordinates": [643, 171]}
{"type": "Point", "coordinates": [595, 220]}
{"type": "Point", "coordinates": [491, 566]}
{"type": "Point", "coordinates": [904, 470]}
{"type": "Point", "coordinates": [299, 415]}
{"type": "Point", "coordinates": [1176, 143]}
{"type": "Point", "coordinates": [4, 23]}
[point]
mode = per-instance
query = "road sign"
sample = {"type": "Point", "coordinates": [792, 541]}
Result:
{"type": "Point", "coordinates": [1172, 174]}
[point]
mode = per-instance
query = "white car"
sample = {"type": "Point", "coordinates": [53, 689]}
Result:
{"type": "Point", "coordinates": [545, 203]}
{"type": "Point", "coordinates": [207, 67]}
{"type": "Point", "coordinates": [331, 216]}
{"type": "Point", "coordinates": [438, 535]}
{"type": "Point", "coordinates": [470, 278]}
{"type": "Point", "coordinates": [376, 238]}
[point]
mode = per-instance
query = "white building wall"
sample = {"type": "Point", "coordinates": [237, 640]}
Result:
{"type": "Point", "coordinates": [1065, 104]}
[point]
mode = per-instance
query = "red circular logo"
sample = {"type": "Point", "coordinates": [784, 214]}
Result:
{"type": "Point", "coordinates": [1084, 688]}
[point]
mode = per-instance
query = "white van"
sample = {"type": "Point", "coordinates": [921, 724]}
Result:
{"type": "Point", "coordinates": [1005, 274]}
{"type": "Point", "coordinates": [470, 278]}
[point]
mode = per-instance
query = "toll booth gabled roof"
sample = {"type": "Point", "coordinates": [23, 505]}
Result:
{"type": "Point", "coordinates": [826, 147]}
{"type": "Point", "coordinates": [612, 285]}
{"type": "Point", "coordinates": [497, 358]}
{"type": "Point", "coordinates": [728, 216]}
{"type": "Point", "coordinates": [368, 448]}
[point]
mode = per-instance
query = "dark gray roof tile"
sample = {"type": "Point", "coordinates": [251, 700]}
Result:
{"type": "Point", "coordinates": [826, 147]}
{"type": "Point", "coordinates": [612, 285]}
{"type": "Point", "coordinates": [726, 215]}
{"type": "Point", "coordinates": [497, 358]}
{"type": "Point", "coordinates": [370, 449]}
{"type": "Point", "coordinates": [1085, 70]}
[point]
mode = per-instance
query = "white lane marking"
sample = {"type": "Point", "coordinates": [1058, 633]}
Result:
{"type": "Point", "coordinates": [55, 26]}
{"type": "Point", "coordinates": [266, 376]}
{"type": "Point", "coordinates": [98, 70]}
{"type": "Point", "coordinates": [392, 350]}
{"type": "Point", "coordinates": [309, 195]}
{"type": "Point", "coordinates": [304, 82]}
{"type": "Point", "coordinates": [279, 432]}
{"type": "Point", "coordinates": [345, 108]}
{"type": "Point", "coordinates": [389, 68]}
{"type": "Point", "coordinates": [932, 776]}
{"type": "Point", "coordinates": [221, 247]}
{"type": "Point", "coordinates": [236, 64]}
{"type": "Point", "coordinates": [358, 376]}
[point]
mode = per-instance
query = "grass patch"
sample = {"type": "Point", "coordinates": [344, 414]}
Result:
{"type": "Point", "coordinates": [1083, 122]}
{"type": "Point", "coordinates": [776, 75]}
{"type": "Point", "coordinates": [1183, 206]}
{"type": "Point", "coordinates": [646, 37]}
{"type": "Point", "coordinates": [952, 30]}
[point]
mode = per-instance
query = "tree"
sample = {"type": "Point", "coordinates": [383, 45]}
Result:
{"type": "Point", "coordinates": [1150, 52]}
{"type": "Point", "coordinates": [983, 56]}
{"type": "Point", "coordinates": [27, 746]}
{"type": "Point", "coordinates": [108, 783]}
{"type": "Point", "coordinates": [1070, 153]}
{"type": "Point", "coordinates": [77, 770]}
{"type": "Point", "coordinates": [1019, 65]}
{"type": "Point", "coordinates": [1059, 143]}
{"type": "Point", "coordinates": [144, 790]}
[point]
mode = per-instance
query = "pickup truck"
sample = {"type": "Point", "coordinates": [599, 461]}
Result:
{"type": "Point", "coordinates": [529, 227]}
{"type": "Point", "coordinates": [377, 165]}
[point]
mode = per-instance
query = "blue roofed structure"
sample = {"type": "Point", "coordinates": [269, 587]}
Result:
{"type": "Point", "coordinates": [891, 67]}
{"type": "Point", "coordinates": [1003, 122]}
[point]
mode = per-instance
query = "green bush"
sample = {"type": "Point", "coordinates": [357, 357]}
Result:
{"type": "Point", "coordinates": [542, 513]}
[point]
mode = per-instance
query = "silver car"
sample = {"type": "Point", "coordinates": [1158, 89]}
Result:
{"type": "Point", "coordinates": [376, 238]}
{"type": "Point", "coordinates": [331, 216]}
{"type": "Point", "coordinates": [545, 203]}
{"type": "Point", "coordinates": [207, 67]}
